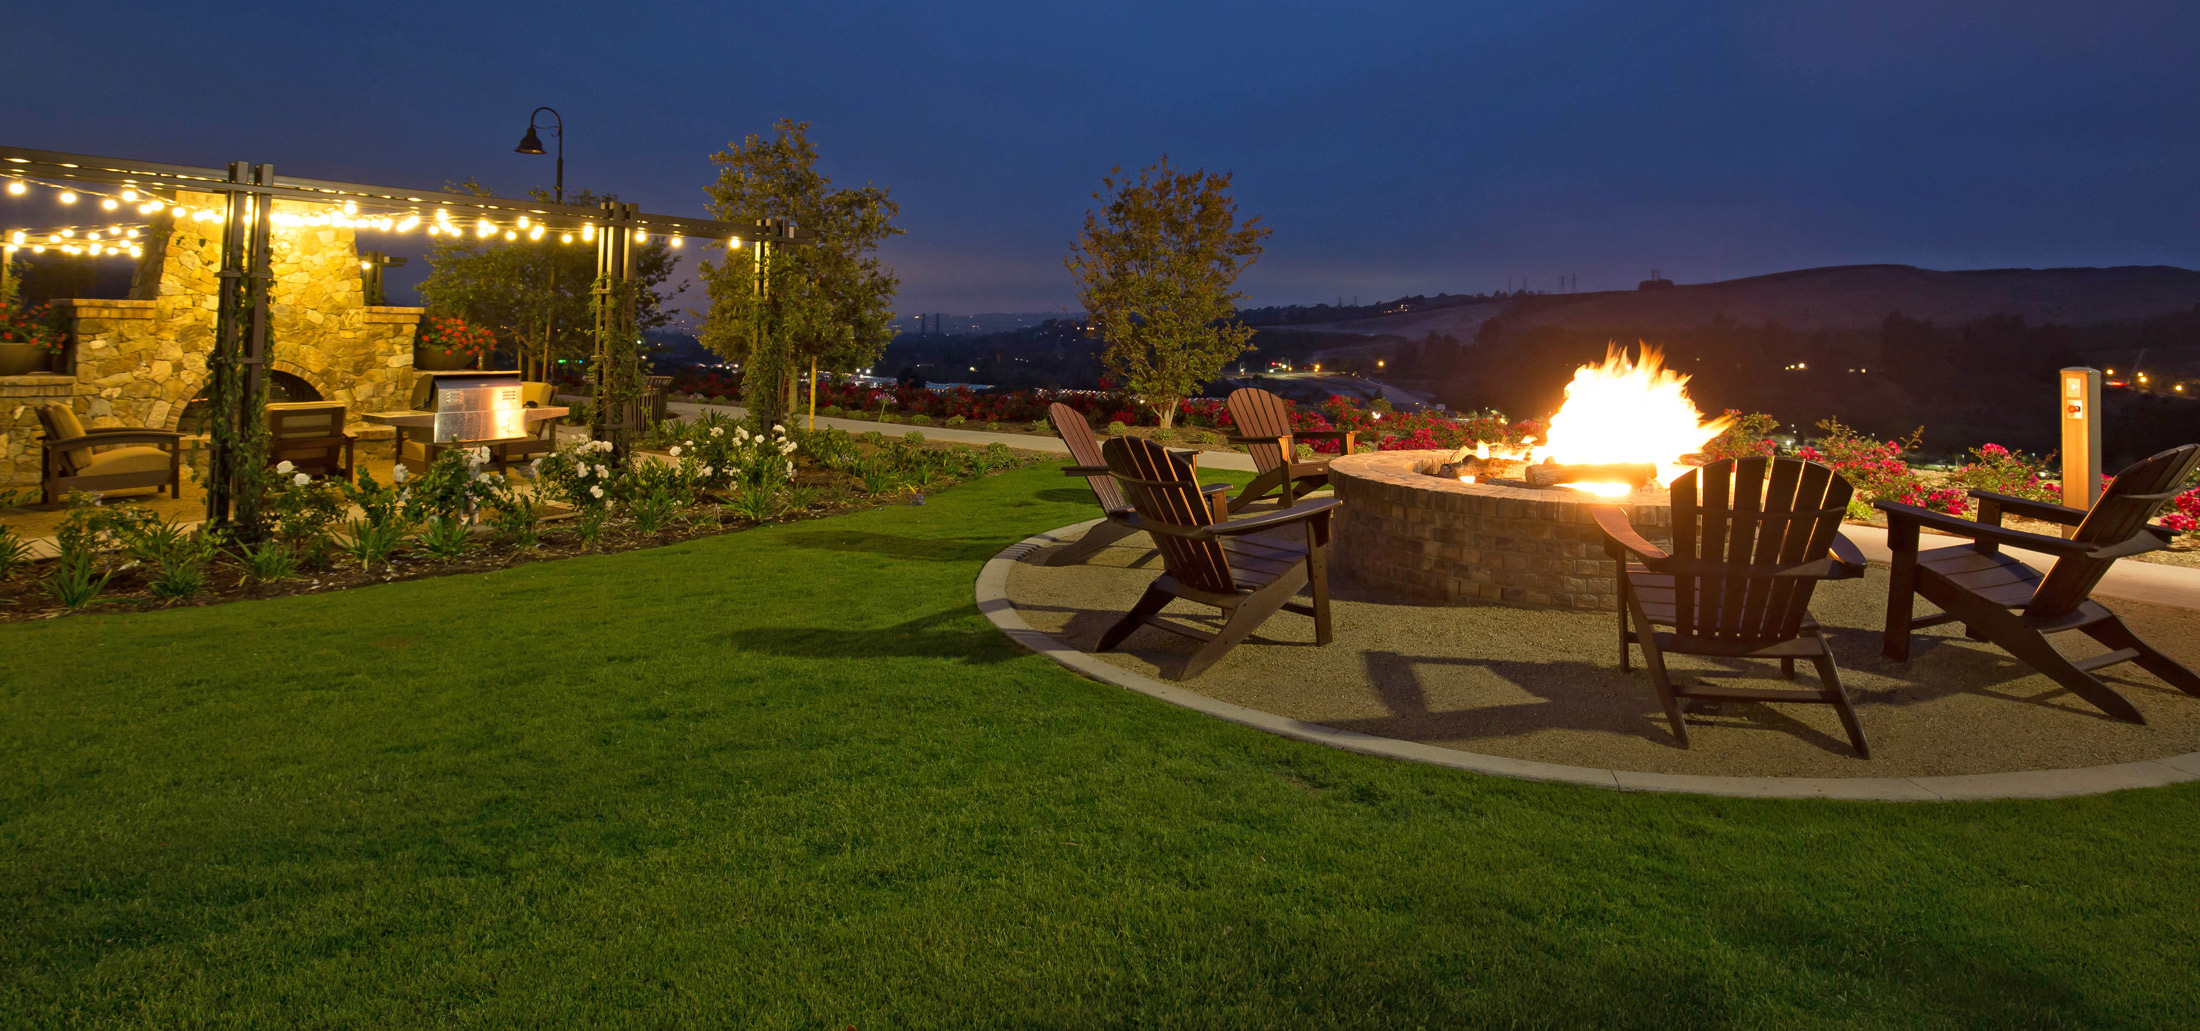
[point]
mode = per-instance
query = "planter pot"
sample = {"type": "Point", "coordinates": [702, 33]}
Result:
{"type": "Point", "coordinates": [18, 358]}
{"type": "Point", "coordinates": [438, 360]}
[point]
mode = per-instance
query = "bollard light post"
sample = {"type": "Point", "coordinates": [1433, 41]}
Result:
{"type": "Point", "coordinates": [2081, 438]}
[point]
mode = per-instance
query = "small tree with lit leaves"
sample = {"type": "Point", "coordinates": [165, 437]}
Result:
{"type": "Point", "coordinates": [1155, 268]}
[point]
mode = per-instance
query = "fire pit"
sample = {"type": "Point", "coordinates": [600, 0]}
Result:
{"type": "Point", "coordinates": [1515, 526]}
{"type": "Point", "coordinates": [1437, 538]}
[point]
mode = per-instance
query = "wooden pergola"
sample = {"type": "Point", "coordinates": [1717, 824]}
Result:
{"type": "Point", "coordinates": [238, 363]}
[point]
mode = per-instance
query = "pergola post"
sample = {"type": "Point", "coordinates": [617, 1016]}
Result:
{"type": "Point", "coordinates": [614, 414]}
{"type": "Point", "coordinates": [237, 366]}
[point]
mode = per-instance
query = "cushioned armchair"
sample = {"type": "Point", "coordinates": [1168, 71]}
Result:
{"type": "Point", "coordinates": [117, 458]}
{"type": "Point", "coordinates": [310, 436]}
{"type": "Point", "coordinates": [543, 439]}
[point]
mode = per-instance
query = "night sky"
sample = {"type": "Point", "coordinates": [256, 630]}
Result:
{"type": "Point", "coordinates": [1393, 148]}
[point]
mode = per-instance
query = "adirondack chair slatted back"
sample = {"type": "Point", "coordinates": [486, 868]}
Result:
{"type": "Point", "coordinates": [1160, 487]}
{"type": "Point", "coordinates": [1753, 516]}
{"type": "Point", "coordinates": [1084, 448]}
{"type": "Point", "coordinates": [2132, 498]}
{"type": "Point", "coordinates": [1258, 413]}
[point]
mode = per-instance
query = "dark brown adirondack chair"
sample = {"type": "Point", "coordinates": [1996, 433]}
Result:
{"type": "Point", "coordinates": [2001, 600]}
{"type": "Point", "coordinates": [1084, 448]}
{"type": "Point", "coordinates": [1210, 559]}
{"type": "Point", "coordinates": [1751, 539]}
{"type": "Point", "coordinates": [1263, 423]}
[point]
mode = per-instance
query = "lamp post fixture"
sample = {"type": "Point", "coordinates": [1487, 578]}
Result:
{"type": "Point", "coordinates": [532, 144]}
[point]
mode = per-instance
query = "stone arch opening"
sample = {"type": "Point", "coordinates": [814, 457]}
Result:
{"type": "Point", "coordinates": [282, 387]}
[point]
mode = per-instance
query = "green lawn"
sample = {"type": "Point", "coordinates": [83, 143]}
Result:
{"type": "Point", "coordinates": [791, 778]}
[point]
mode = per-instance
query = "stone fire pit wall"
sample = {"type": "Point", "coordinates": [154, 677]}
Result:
{"type": "Point", "coordinates": [1443, 540]}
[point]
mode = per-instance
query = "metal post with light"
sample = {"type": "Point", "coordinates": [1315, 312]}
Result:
{"type": "Point", "coordinates": [2081, 437]}
{"type": "Point", "coordinates": [532, 144]}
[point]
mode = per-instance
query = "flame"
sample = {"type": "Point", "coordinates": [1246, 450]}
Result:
{"type": "Point", "coordinates": [1627, 411]}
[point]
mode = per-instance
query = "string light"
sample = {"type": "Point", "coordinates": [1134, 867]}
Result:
{"type": "Point", "coordinates": [640, 236]}
{"type": "Point", "coordinates": [535, 233]}
{"type": "Point", "coordinates": [130, 196]}
{"type": "Point", "coordinates": [567, 238]}
{"type": "Point", "coordinates": [110, 204]}
{"type": "Point", "coordinates": [675, 241]}
{"type": "Point", "coordinates": [16, 187]}
{"type": "Point", "coordinates": [588, 232]}
{"type": "Point", "coordinates": [68, 196]}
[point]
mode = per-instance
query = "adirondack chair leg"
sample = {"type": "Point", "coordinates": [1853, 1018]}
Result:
{"type": "Point", "coordinates": [1092, 543]}
{"type": "Point", "coordinates": [1830, 674]}
{"type": "Point", "coordinates": [1258, 488]}
{"type": "Point", "coordinates": [1901, 592]}
{"type": "Point", "coordinates": [2033, 649]}
{"type": "Point", "coordinates": [1655, 661]}
{"type": "Point", "coordinates": [1626, 660]}
{"type": "Point", "coordinates": [1149, 604]}
{"type": "Point", "coordinates": [1247, 617]}
{"type": "Point", "coordinates": [1317, 577]}
{"type": "Point", "coordinates": [1787, 668]}
{"type": "Point", "coordinates": [2113, 633]}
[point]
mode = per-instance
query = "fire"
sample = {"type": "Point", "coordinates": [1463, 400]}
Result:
{"type": "Point", "coordinates": [1627, 411]}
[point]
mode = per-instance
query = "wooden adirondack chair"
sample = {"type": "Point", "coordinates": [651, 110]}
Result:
{"type": "Point", "coordinates": [1084, 448]}
{"type": "Point", "coordinates": [1751, 539]}
{"type": "Point", "coordinates": [1263, 423]}
{"type": "Point", "coordinates": [1210, 559]}
{"type": "Point", "coordinates": [2000, 599]}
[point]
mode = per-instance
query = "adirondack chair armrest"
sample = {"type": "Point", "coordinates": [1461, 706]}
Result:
{"type": "Point", "coordinates": [1846, 563]}
{"type": "Point", "coordinates": [1995, 503]}
{"type": "Point", "coordinates": [1901, 515]}
{"type": "Point", "coordinates": [1084, 470]}
{"type": "Point", "coordinates": [1298, 513]}
{"type": "Point", "coordinates": [1130, 518]}
{"type": "Point", "coordinates": [1619, 532]}
{"type": "Point", "coordinates": [1275, 439]}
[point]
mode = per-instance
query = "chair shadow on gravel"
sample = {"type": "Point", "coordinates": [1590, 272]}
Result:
{"type": "Point", "coordinates": [1576, 696]}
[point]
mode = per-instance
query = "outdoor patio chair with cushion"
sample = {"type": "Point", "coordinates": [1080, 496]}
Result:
{"type": "Point", "coordinates": [1751, 539]}
{"type": "Point", "coordinates": [1084, 448]}
{"type": "Point", "coordinates": [1213, 560]}
{"type": "Point", "coordinates": [310, 436]}
{"type": "Point", "coordinates": [1263, 423]}
{"type": "Point", "coordinates": [2000, 599]}
{"type": "Point", "coordinates": [117, 458]}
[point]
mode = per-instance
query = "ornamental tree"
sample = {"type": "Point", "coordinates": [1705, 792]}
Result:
{"type": "Point", "coordinates": [829, 301]}
{"type": "Point", "coordinates": [536, 293]}
{"type": "Point", "coordinates": [1155, 267]}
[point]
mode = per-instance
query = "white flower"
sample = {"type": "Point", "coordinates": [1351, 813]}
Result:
{"type": "Point", "coordinates": [786, 447]}
{"type": "Point", "coordinates": [483, 477]}
{"type": "Point", "coordinates": [675, 451]}
{"type": "Point", "coordinates": [790, 469]}
{"type": "Point", "coordinates": [301, 479]}
{"type": "Point", "coordinates": [596, 491]}
{"type": "Point", "coordinates": [601, 471]}
{"type": "Point", "coordinates": [718, 431]}
{"type": "Point", "coordinates": [477, 456]}
{"type": "Point", "coordinates": [781, 430]}
{"type": "Point", "coordinates": [705, 471]}
{"type": "Point", "coordinates": [400, 474]}
{"type": "Point", "coordinates": [741, 433]}
{"type": "Point", "coordinates": [284, 467]}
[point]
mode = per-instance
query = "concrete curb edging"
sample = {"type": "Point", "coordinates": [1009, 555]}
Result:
{"type": "Point", "coordinates": [992, 597]}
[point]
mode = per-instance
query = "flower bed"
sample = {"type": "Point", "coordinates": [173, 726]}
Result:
{"type": "Point", "coordinates": [710, 476]}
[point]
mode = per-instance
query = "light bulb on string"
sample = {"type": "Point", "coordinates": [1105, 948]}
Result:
{"type": "Point", "coordinates": [68, 196]}
{"type": "Point", "coordinates": [588, 232]}
{"type": "Point", "coordinates": [675, 241]}
{"type": "Point", "coordinates": [16, 187]}
{"type": "Point", "coordinates": [511, 235]}
{"type": "Point", "coordinates": [129, 196]}
{"type": "Point", "coordinates": [640, 236]}
{"type": "Point", "coordinates": [566, 238]}
{"type": "Point", "coordinates": [110, 204]}
{"type": "Point", "coordinates": [523, 221]}
{"type": "Point", "coordinates": [535, 233]}
{"type": "Point", "coordinates": [407, 225]}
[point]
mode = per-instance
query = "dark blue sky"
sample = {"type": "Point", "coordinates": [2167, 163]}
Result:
{"type": "Point", "coordinates": [1393, 148]}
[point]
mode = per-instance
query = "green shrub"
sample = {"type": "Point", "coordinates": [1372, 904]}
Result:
{"type": "Point", "coordinates": [372, 543]}
{"type": "Point", "coordinates": [1117, 429]}
{"type": "Point", "coordinates": [956, 420]}
{"type": "Point", "coordinates": [268, 561]}
{"type": "Point", "coordinates": [588, 527]}
{"type": "Point", "coordinates": [1750, 436]}
{"type": "Point", "coordinates": [1998, 469]}
{"type": "Point", "coordinates": [15, 552]}
{"type": "Point", "coordinates": [920, 419]}
{"type": "Point", "coordinates": [71, 582]}
{"type": "Point", "coordinates": [831, 411]}
{"type": "Point", "coordinates": [993, 427]}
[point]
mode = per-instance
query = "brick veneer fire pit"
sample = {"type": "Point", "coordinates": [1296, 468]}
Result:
{"type": "Point", "coordinates": [1437, 538]}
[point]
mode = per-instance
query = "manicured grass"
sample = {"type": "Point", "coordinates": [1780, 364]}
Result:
{"type": "Point", "coordinates": [791, 778]}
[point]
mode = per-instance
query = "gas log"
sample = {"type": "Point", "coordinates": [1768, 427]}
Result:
{"type": "Point", "coordinates": [1548, 474]}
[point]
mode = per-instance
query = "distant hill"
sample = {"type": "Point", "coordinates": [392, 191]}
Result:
{"type": "Point", "coordinates": [1856, 297]}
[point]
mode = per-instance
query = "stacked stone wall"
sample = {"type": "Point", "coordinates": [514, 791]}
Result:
{"type": "Point", "coordinates": [1443, 540]}
{"type": "Point", "coordinates": [138, 361]}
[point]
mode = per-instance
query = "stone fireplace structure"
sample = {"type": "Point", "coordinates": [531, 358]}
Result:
{"type": "Point", "coordinates": [141, 360]}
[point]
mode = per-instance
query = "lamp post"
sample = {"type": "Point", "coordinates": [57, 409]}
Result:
{"type": "Point", "coordinates": [532, 144]}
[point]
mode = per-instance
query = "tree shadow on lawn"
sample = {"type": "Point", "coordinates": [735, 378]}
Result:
{"type": "Point", "coordinates": [928, 549]}
{"type": "Point", "coordinates": [957, 633]}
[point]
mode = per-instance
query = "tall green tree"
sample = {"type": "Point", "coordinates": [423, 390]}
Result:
{"type": "Point", "coordinates": [829, 301]}
{"type": "Point", "coordinates": [535, 294]}
{"type": "Point", "coordinates": [1155, 268]}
